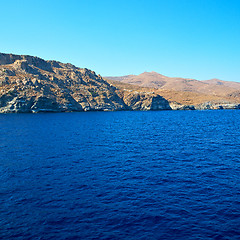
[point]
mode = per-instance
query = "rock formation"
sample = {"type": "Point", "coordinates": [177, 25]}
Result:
{"type": "Point", "coordinates": [142, 100]}
{"type": "Point", "coordinates": [31, 84]}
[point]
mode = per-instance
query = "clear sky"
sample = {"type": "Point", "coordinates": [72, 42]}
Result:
{"type": "Point", "coordinates": [179, 38]}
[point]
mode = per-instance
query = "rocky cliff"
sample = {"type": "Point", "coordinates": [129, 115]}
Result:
{"type": "Point", "coordinates": [31, 84]}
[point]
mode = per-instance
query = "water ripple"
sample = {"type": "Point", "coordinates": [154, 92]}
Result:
{"type": "Point", "coordinates": [120, 175]}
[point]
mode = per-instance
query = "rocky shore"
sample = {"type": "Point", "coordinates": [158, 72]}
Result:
{"type": "Point", "coordinates": [210, 105]}
{"type": "Point", "coordinates": [30, 84]}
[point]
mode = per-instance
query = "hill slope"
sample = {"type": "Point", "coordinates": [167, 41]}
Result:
{"type": "Point", "coordinates": [185, 91]}
{"type": "Point", "coordinates": [31, 84]}
{"type": "Point", "coordinates": [156, 80]}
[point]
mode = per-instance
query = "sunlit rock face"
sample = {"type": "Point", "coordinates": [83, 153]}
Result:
{"type": "Point", "coordinates": [31, 84]}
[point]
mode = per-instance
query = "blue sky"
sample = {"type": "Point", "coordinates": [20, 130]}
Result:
{"type": "Point", "coordinates": [179, 38]}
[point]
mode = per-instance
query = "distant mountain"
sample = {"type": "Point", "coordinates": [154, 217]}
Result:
{"type": "Point", "coordinates": [184, 93]}
{"type": "Point", "coordinates": [159, 81]}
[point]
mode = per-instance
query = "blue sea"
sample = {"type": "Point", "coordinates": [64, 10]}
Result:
{"type": "Point", "coordinates": [120, 175]}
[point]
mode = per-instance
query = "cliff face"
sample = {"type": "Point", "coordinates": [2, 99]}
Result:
{"type": "Point", "coordinates": [143, 100]}
{"type": "Point", "coordinates": [31, 84]}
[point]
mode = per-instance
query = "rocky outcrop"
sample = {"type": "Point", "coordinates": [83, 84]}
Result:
{"type": "Point", "coordinates": [144, 101]}
{"type": "Point", "coordinates": [210, 105]}
{"type": "Point", "coordinates": [31, 84]}
{"type": "Point", "coordinates": [178, 106]}
{"type": "Point", "coordinates": [217, 105]}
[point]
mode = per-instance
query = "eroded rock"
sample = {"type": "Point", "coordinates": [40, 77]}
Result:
{"type": "Point", "coordinates": [31, 84]}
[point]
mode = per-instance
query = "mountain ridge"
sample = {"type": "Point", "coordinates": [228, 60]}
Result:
{"type": "Point", "coordinates": [159, 81]}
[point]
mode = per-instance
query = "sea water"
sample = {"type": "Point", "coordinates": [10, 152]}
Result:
{"type": "Point", "coordinates": [120, 175]}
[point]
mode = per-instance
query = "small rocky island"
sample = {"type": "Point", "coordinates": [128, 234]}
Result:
{"type": "Point", "coordinates": [30, 84]}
